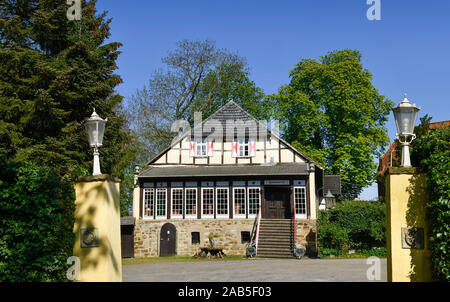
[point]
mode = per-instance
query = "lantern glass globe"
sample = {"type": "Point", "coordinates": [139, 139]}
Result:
{"type": "Point", "coordinates": [405, 116]}
{"type": "Point", "coordinates": [95, 129]}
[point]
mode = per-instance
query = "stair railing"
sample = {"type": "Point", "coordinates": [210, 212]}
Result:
{"type": "Point", "coordinates": [258, 223]}
{"type": "Point", "coordinates": [295, 229]}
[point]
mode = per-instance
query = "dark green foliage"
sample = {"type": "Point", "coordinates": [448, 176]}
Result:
{"type": "Point", "coordinates": [36, 223]}
{"type": "Point", "coordinates": [53, 72]}
{"type": "Point", "coordinates": [331, 111]}
{"type": "Point", "coordinates": [332, 235]}
{"type": "Point", "coordinates": [431, 152]}
{"type": "Point", "coordinates": [353, 225]}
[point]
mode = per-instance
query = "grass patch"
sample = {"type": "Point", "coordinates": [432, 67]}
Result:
{"type": "Point", "coordinates": [338, 254]}
{"type": "Point", "coordinates": [349, 256]}
{"type": "Point", "coordinates": [181, 258]}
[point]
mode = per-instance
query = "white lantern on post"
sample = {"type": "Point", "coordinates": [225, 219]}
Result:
{"type": "Point", "coordinates": [405, 116]}
{"type": "Point", "coordinates": [95, 128]}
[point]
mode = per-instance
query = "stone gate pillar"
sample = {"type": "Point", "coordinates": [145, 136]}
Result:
{"type": "Point", "coordinates": [407, 227]}
{"type": "Point", "coordinates": [97, 228]}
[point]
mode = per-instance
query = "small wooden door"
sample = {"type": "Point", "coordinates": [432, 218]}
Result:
{"type": "Point", "coordinates": [127, 240]}
{"type": "Point", "coordinates": [168, 239]}
{"type": "Point", "coordinates": [276, 203]}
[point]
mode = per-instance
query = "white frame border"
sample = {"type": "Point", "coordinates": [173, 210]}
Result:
{"type": "Point", "coordinates": [156, 204]}
{"type": "Point", "coordinates": [228, 202]}
{"type": "Point", "coordinates": [301, 216]}
{"type": "Point", "coordinates": [143, 204]}
{"type": "Point", "coordinates": [246, 202]}
{"type": "Point", "coordinates": [173, 216]}
{"type": "Point", "coordinates": [186, 216]}
{"type": "Point", "coordinates": [201, 198]}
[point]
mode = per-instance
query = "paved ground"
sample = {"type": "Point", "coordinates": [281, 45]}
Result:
{"type": "Point", "coordinates": [316, 270]}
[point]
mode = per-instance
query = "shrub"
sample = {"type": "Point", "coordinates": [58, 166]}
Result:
{"type": "Point", "coordinates": [333, 236]}
{"type": "Point", "coordinates": [381, 252]}
{"type": "Point", "coordinates": [328, 252]}
{"type": "Point", "coordinates": [431, 153]}
{"type": "Point", "coordinates": [36, 223]}
{"type": "Point", "coordinates": [353, 225]}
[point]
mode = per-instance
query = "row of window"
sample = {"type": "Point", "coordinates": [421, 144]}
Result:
{"type": "Point", "coordinates": [243, 147]}
{"type": "Point", "coordinates": [184, 200]}
{"type": "Point", "coordinates": [213, 200]}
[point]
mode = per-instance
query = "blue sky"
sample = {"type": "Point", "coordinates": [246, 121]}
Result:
{"type": "Point", "coordinates": [406, 51]}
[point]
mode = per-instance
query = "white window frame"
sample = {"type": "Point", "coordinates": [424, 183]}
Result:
{"type": "Point", "coordinates": [156, 203]}
{"type": "Point", "coordinates": [203, 204]}
{"type": "Point", "coordinates": [203, 145]}
{"type": "Point", "coordinates": [301, 216]}
{"type": "Point", "coordinates": [172, 215]}
{"type": "Point", "coordinates": [227, 215]}
{"type": "Point", "coordinates": [143, 204]}
{"type": "Point", "coordinates": [248, 201]}
{"type": "Point", "coordinates": [243, 143]}
{"type": "Point", "coordinates": [234, 203]}
{"type": "Point", "coordinates": [186, 215]}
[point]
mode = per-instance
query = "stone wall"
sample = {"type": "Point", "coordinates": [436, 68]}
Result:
{"type": "Point", "coordinates": [307, 235]}
{"type": "Point", "coordinates": [146, 235]}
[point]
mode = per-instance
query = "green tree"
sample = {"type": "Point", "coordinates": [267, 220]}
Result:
{"type": "Point", "coordinates": [431, 152]}
{"type": "Point", "coordinates": [53, 72]}
{"type": "Point", "coordinates": [226, 82]}
{"type": "Point", "coordinates": [331, 111]}
{"type": "Point", "coordinates": [198, 77]}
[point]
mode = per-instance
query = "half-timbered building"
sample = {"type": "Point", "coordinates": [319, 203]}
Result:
{"type": "Point", "coordinates": [231, 176]}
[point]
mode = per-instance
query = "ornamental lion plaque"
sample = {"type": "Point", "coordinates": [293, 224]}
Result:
{"type": "Point", "coordinates": [89, 237]}
{"type": "Point", "coordinates": [412, 238]}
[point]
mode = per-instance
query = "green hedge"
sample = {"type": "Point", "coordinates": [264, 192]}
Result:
{"type": "Point", "coordinates": [352, 225]}
{"type": "Point", "coordinates": [431, 153]}
{"type": "Point", "coordinates": [36, 223]}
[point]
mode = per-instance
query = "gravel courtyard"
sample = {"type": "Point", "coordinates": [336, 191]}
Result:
{"type": "Point", "coordinates": [315, 270]}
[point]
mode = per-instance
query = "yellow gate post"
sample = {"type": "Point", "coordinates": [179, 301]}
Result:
{"type": "Point", "coordinates": [97, 228]}
{"type": "Point", "coordinates": [407, 227]}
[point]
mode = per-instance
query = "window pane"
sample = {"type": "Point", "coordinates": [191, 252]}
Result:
{"type": "Point", "coordinates": [149, 198]}
{"type": "Point", "coordinates": [300, 200]}
{"type": "Point", "coordinates": [195, 237]}
{"type": "Point", "coordinates": [201, 147]}
{"type": "Point", "coordinates": [191, 201]}
{"type": "Point", "coordinates": [161, 202]}
{"type": "Point", "coordinates": [208, 201]}
{"type": "Point", "coordinates": [177, 201]}
{"type": "Point", "coordinates": [239, 201]}
{"type": "Point", "coordinates": [245, 237]}
{"type": "Point", "coordinates": [253, 200]}
{"type": "Point", "coordinates": [222, 201]}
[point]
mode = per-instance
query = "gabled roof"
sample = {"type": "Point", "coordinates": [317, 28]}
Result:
{"type": "Point", "coordinates": [231, 111]}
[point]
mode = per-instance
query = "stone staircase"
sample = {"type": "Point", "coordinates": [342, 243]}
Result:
{"type": "Point", "coordinates": [275, 238]}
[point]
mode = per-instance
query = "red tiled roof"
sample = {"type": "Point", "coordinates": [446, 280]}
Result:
{"type": "Point", "coordinates": [439, 124]}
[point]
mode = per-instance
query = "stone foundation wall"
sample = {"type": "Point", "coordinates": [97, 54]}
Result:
{"type": "Point", "coordinates": [147, 235]}
{"type": "Point", "coordinates": [307, 235]}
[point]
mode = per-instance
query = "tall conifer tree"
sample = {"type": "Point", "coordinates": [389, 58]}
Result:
{"type": "Point", "coordinates": [53, 73]}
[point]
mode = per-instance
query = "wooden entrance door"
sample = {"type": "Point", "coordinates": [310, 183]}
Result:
{"type": "Point", "coordinates": [276, 203]}
{"type": "Point", "coordinates": [168, 238]}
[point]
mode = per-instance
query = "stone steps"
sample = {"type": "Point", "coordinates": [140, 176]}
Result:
{"type": "Point", "coordinates": [275, 238]}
